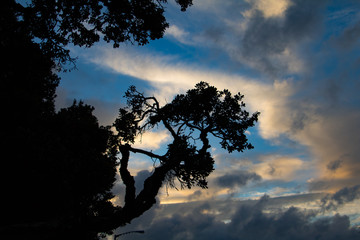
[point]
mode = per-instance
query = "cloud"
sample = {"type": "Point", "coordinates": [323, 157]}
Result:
{"type": "Point", "coordinates": [271, 44]}
{"type": "Point", "coordinates": [106, 111]}
{"type": "Point", "coordinates": [269, 8]}
{"type": "Point", "coordinates": [283, 168]}
{"type": "Point", "coordinates": [171, 77]}
{"type": "Point", "coordinates": [140, 178]}
{"type": "Point", "coordinates": [195, 196]}
{"type": "Point", "coordinates": [118, 191]}
{"type": "Point", "coordinates": [332, 139]}
{"type": "Point", "coordinates": [269, 36]}
{"type": "Point", "coordinates": [250, 221]}
{"type": "Point", "coordinates": [334, 164]}
{"type": "Point", "coordinates": [340, 198]}
{"type": "Point", "coordinates": [152, 140]}
{"type": "Point", "coordinates": [177, 33]}
{"type": "Point", "coordinates": [160, 70]}
{"type": "Point", "coordinates": [236, 179]}
{"type": "Point", "coordinates": [174, 196]}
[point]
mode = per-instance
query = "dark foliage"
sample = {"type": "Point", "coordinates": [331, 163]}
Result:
{"type": "Point", "coordinates": [27, 102]}
{"type": "Point", "coordinates": [86, 165]}
{"type": "Point", "coordinates": [57, 168]}
{"type": "Point", "coordinates": [56, 23]}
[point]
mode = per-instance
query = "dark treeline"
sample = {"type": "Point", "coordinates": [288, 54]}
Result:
{"type": "Point", "coordinates": [58, 168]}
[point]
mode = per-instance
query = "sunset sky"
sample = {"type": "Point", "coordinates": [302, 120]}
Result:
{"type": "Point", "coordinates": [298, 63]}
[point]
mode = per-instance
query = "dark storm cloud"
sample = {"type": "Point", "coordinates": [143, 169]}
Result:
{"type": "Point", "coordinates": [268, 37]}
{"type": "Point", "coordinates": [196, 195]}
{"type": "Point", "coordinates": [341, 197]}
{"type": "Point", "coordinates": [237, 179]}
{"type": "Point", "coordinates": [251, 223]}
{"type": "Point", "coordinates": [140, 178]}
{"type": "Point", "coordinates": [264, 40]}
{"type": "Point", "coordinates": [334, 164]}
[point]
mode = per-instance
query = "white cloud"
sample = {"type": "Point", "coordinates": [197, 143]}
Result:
{"type": "Point", "coordinates": [279, 168]}
{"type": "Point", "coordinates": [152, 140]}
{"type": "Point", "coordinates": [171, 77]}
{"type": "Point", "coordinates": [270, 8]}
{"type": "Point", "coordinates": [177, 33]}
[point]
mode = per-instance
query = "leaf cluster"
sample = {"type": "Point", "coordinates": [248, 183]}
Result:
{"type": "Point", "coordinates": [130, 121]}
{"type": "Point", "coordinates": [193, 166]}
{"type": "Point", "coordinates": [208, 110]}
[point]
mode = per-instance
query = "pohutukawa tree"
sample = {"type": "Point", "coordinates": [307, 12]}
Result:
{"type": "Point", "coordinates": [190, 119]}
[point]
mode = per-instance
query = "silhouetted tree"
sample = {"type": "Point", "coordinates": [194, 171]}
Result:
{"type": "Point", "coordinates": [190, 118]}
{"type": "Point", "coordinates": [57, 169]}
{"type": "Point", "coordinates": [63, 181]}
{"type": "Point", "coordinates": [28, 86]}
{"type": "Point", "coordinates": [82, 170]}
{"type": "Point", "coordinates": [56, 23]}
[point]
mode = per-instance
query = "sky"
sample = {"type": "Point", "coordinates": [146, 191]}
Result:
{"type": "Point", "coordinates": [297, 62]}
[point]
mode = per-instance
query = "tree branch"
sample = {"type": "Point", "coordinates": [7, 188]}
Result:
{"type": "Point", "coordinates": [180, 128]}
{"type": "Point", "coordinates": [150, 154]}
{"type": "Point", "coordinates": [142, 117]}
{"type": "Point", "coordinates": [171, 130]}
{"type": "Point", "coordinates": [147, 197]}
{"type": "Point", "coordinates": [204, 139]}
{"type": "Point", "coordinates": [126, 176]}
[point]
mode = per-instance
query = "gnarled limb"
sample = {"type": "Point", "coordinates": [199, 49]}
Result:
{"type": "Point", "coordinates": [126, 177]}
{"type": "Point", "coordinates": [149, 154]}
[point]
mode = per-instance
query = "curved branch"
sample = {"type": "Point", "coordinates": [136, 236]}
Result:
{"type": "Point", "coordinates": [126, 177]}
{"type": "Point", "coordinates": [147, 153]}
{"type": "Point", "coordinates": [170, 129]}
{"type": "Point", "coordinates": [180, 128]}
{"type": "Point", "coordinates": [142, 117]}
{"type": "Point", "coordinates": [147, 197]}
{"type": "Point", "coordinates": [205, 141]}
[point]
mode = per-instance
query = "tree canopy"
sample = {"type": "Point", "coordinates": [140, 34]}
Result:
{"type": "Point", "coordinates": [56, 166]}
{"type": "Point", "coordinates": [57, 23]}
{"type": "Point", "coordinates": [190, 118]}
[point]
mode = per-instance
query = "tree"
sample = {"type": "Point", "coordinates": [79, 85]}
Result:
{"type": "Point", "coordinates": [83, 171]}
{"type": "Point", "coordinates": [57, 23]}
{"type": "Point", "coordinates": [28, 86]}
{"type": "Point", "coordinates": [66, 182]}
{"type": "Point", "coordinates": [190, 118]}
{"type": "Point", "coordinates": [57, 170]}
